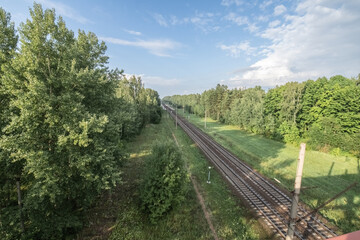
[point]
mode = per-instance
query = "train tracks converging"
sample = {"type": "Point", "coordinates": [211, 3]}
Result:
{"type": "Point", "coordinates": [267, 200]}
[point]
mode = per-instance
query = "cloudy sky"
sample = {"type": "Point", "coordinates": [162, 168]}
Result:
{"type": "Point", "coordinates": [187, 46]}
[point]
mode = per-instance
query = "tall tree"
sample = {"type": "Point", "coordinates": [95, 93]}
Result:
{"type": "Point", "coordinates": [8, 171]}
{"type": "Point", "coordinates": [61, 132]}
{"type": "Point", "coordinates": [291, 101]}
{"type": "Point", "coordinates": [8, 42]}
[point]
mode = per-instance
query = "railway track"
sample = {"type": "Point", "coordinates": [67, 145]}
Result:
{"type": "Point", "coordinates": [268, 201]}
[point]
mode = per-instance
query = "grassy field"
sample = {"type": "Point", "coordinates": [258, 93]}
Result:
{"type": "Point", "coordinates": [187, 221]}
{"type": "Point", "coordinates": [329, 173]}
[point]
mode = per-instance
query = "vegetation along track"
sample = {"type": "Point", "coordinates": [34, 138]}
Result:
{"type": "Point", "coordinates": [268, 201]}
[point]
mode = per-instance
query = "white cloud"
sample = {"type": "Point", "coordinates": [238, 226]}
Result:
{"type": "Point", "coordinates": [274, 23]}
{"type": "Point", "coordinates": [265, 4]}
{"type": "Point", "coordinates": [241, 20]}
{"type": "Point", "coordinates": [262, 18]}
{"type": "Point", "coordinates": [280, 9]}
{"type": "Point", "coordinates": [175, 20]}
{"type": "Point", "coordinates": [156, 47]}
{"type": "Point", "coordinates": [133, 32]}
{"type": "Point", "coordinates": [228, 3]}
{"type": "Point", "coordinates": [321, 39]}
{"type": "Point", "coordinates": [236, 49]}
{"type": "Point", "coordinates": [205, 21]}
{"type": "Point", "coordinates": [64, 10]}
{"type": "Point", "coordinates": [160, 19]}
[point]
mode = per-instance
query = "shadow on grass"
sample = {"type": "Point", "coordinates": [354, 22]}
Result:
{"type": "Point", "coordinates": [249, 146]}
{"type": "Point", "coordinates": [344, 211]}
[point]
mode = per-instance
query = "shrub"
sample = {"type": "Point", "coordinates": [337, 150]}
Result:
{"type": "Point", "coordinates": [290, 132]}
{"type": "Point", "coordinates": [163, 184]}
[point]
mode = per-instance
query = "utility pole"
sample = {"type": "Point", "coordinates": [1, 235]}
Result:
{"type": "Point", "coordinates": [205, 117]}
{"type": "Point", "coordinates": [295, 201]}
{"type": "Point", "coordinates": [176, 115]}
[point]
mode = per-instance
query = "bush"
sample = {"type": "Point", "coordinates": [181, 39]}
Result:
{"type": "Point", "coordinates": [290, 132]}
{"type": "Point", "coordinates": [155, 115]}
{"type": "Point", "coordinates": [163, 184]}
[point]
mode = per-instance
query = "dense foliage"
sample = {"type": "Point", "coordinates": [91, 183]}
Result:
{"type": "Point", "coordinates": [64, 120]}
{"type": "Point", "coordinates": [164, 178]}
{"type": "Point", "coordinates": [325, 112]}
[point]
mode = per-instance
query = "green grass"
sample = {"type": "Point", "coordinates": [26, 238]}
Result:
{"type": "Point", "coordinates": [329, 173]}
{"type": "Point", "coordinates": [187, 220]}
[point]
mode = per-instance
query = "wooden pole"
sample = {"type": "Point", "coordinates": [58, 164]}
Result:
{"type": "Point", "coordinates": [205, 118]}
{"type": "Point", "coordinates": [295, 201]}
{"type": "Point", "coordinates": [176, 116]}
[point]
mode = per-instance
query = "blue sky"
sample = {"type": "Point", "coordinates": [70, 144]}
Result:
{"type": "Point", "coordinates": [182, 47]}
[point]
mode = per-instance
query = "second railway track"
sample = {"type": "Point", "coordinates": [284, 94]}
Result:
{"type": "Point", "coordinates": [269, 202]}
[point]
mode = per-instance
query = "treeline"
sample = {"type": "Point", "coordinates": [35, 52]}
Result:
{"type": "Point", "coordinates": [64, 119]}
{"type": "Point", "coordinates": [325, 113]}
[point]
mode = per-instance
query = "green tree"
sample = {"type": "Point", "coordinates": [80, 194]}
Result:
{"type": "Point", "coordinates": [8, 37]}
{"type": "Point", "coordinates": [289, 132]}
{"type": "Point", "coordinates": [290, 104]}
{"type": "Point", "coordinates": [163, 184]}
{"type": "Point", "coordinates": [153, 105]}
{"type": "Point", "coordinates": [62, 131]}
{"type": "Point", "coordinates": [272, 108]}
{"type": "Point", "coordinates": [8, 171]}
{"type": "Point", "coordinates": [248, 112]}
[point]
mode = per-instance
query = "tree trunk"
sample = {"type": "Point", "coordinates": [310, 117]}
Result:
{"type": "Point", "coordinates": [20, 204]}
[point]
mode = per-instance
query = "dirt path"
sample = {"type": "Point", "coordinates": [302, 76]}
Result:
{"type": "Point", "coordinates": [201, 200]}
{"type": "Point", "coordinates": [202, 203]}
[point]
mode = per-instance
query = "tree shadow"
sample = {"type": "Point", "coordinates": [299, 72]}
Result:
{"type": "Point", "coordinates": [344, 211]}
{"type": "Point", "coordinates": [249, 143]}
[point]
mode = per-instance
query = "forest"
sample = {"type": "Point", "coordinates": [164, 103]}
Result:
{"type": "Point", "coordinates": [65, 118]}
{"type": "Point", "coordinates": [324, 113]}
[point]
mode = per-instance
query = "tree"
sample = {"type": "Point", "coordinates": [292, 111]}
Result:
{"type": "Point", "coordinates": [272, 108]}
{"type": "Point", "coordinates": [291, 101]}
{"type": "Point", "coordinates": [153, 105]}
{"type": "Point", "coordinates": [163, 184]}
{"type": "Point", "coordinates": [8, 38]}
{"type": "Point", "coordinates": [8, 171]}
{"type": "Point", "coordinates": [247, 112]}
{"type": "Point", "coordinates": [61, 133]}
{"type": "Point", "coordinates": [8, 42]}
